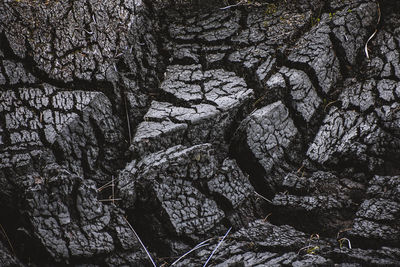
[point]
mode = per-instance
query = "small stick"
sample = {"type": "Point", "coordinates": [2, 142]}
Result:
{"type": "Point", "coordinates": [215, 249]}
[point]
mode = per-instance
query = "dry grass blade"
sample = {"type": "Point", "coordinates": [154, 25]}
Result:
{"type": "Point", "coordinates": [372, 36]}
{"type": "Point", "coordinates": [266, 217]}
{"type": "Point", "coordinates": [344, 239]}
{"type": "Point", "coordinates": [330, 103]}
{"type": "Point", "coordinates": [238, 4]}
{"type": "Point", "coordinates": [104, 186]}
{"type": "Point", "coordinates": [137, 236]}
{"type": "Point", "coordinates": [305, 248]}
{"type": "Point", "coordinates": [215, 249]}
{"type": "Point", "coordinates": [110, 199]}
{"type": "Point", "coordinates": [127, 120]}
{"type": "Point", "coordinates": [366, 44]}
{"type": "Point", "coordinates": [299, 169]}
{"type": "Point", "coordinates": [200, 245]}
{"type": "Point", "coordinates": [266, 199]}
{"type": "Point", "coordinates": [109, 184]}
{"type": "Point", "coordinates": [8, 240]}
{"type": "Point", "coordinates": [343, 230]}
{"type": "Point", "coordinates": [112, 190]}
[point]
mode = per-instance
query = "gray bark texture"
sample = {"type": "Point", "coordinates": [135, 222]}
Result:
{"type": "Point", "coordinates": [262, 133]}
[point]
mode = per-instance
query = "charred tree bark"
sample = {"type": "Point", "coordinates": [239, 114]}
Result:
{"type": "Point", "coordinates": [138, 129]}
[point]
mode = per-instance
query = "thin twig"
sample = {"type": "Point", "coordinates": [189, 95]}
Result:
{"type": "Point", "coordinates": [373, 34]}
{"type": "Point", "coordinates": [8, 240]}
{"type": "Point", "coordinates": [215, 249]}
{"type": "Point", "coordinates": [200, 245]}
{"type": "Point", "coordinates": [138, 238]}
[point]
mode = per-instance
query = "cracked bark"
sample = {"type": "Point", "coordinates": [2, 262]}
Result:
{"type": "Point", "coordinates": [188, 120]}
